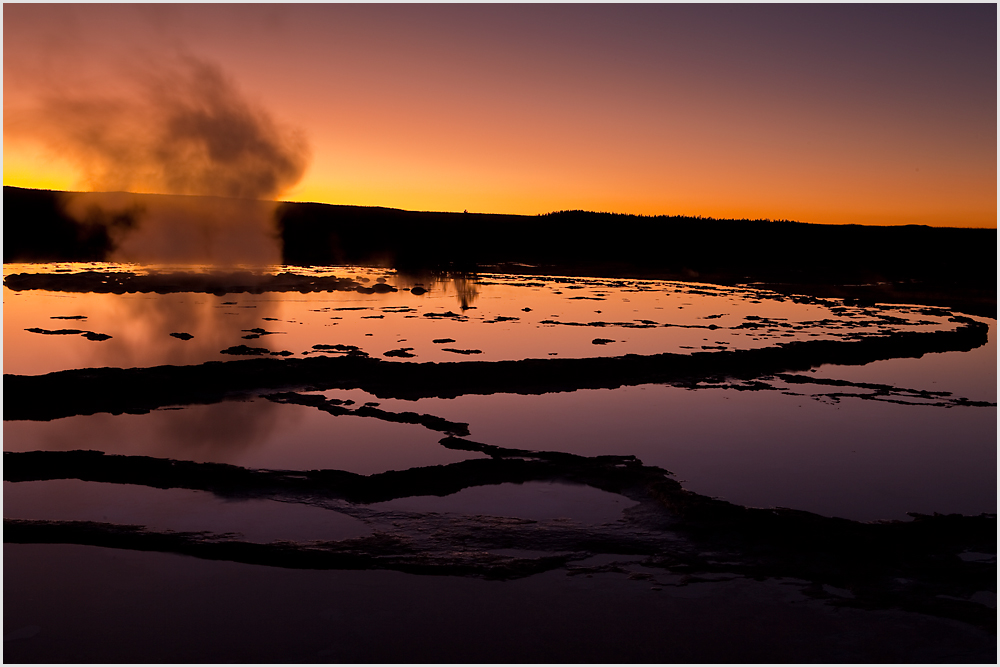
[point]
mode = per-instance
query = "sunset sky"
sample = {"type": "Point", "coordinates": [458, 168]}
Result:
{"type": "Point", "coordinates": [831, 114]}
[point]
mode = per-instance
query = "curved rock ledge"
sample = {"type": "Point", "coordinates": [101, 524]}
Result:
{"type": "Point", "coordinates": [914, 565]}
{"type": "Point", "coordinates": [139, 390]}
{"type": "Point", "coordinates": [121, 282]}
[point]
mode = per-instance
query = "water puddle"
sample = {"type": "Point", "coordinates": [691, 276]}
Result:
{"type": "Point", "coordinates": [254, 434]}
{"type": "Point", "coordinates": [536, 501]}
{"type": "Point", "coordinates": [505, 426]}
{"type": "Point", "coordinates": [865, 442]}
{"type": "Point", "coordinates": [492, 318]}
{"type": "Point", "coordinates": [178, 510]}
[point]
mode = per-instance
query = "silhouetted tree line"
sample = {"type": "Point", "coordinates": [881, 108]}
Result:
{"type": "Point", "coordinates": [581, 242]}
{"type": "Point", "coordinates": [621, 244]}
{"type": "Point", "coordinates": [38, 228]}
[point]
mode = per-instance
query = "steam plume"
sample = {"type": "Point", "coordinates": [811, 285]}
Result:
{"type": "Point", "coordinates": [182, 129]}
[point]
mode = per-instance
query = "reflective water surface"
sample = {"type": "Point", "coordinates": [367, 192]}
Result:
{"type": "Point", "coordinates": [176, 510]}
{"type": "Point", "coordinates": [642, 491]}
{"type": "Point", "coordinates": [491, 318]}
{"type": "Point", "coordinates": [894, 436]}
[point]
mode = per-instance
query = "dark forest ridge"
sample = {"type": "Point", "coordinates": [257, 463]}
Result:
{"type": "Point", "coordinates": [912, 263]}
{"type": "Point", "coordinates": [15, 191]}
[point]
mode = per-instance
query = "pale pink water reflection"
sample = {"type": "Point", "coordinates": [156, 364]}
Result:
{"type": "Point", "coordinates": [859, 457]}
{"type": "Point", "coordinates": [507, 317]}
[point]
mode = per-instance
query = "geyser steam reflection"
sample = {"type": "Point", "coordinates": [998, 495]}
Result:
{"type": "Point", "coordinates": [181, 128]}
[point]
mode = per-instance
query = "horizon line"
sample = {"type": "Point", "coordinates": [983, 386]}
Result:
{"type": "Point", "coordinates": [513, 215]}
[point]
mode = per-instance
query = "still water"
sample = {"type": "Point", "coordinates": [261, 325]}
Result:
{"type": "Point", "coordinates": [491, 318]}
{"type": "Point", "coordinates": [855, 453]}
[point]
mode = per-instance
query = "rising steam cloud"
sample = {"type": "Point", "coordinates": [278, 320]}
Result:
{"type": "Point", "coordinates": [178, 129]}
{"type": "Point", "coordinates": [181, 128]}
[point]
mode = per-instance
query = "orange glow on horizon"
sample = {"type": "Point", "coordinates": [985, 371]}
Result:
{"type": "Point", "coordinates": [430, 108]}
{"type": "Point", "coordinates": [454, 192]}
{"type": "Point", "coordinates": [501, 187]}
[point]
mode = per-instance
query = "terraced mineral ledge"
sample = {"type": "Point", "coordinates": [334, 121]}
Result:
{"type": "Point", "coordinates": [418, 519]}
{"type": "Point", "coordinates": [917, 565]}
{"type": "Point", "coordinates": [139, 390]}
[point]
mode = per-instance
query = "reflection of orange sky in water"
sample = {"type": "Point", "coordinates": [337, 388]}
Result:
{"type": "Point", "coordinates": [140, 324]}
{"type": "Point", "coordinates": [769, 449]}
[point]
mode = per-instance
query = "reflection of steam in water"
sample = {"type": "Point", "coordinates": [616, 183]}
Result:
{"type": "Point", "coordinates": [466, 289]}
{"type": "Point", "coordinates": [149, 319]}
{"type": "Point", "coordinates": [220, 432]}
{"type": "Point", "coordinates": [465, 284]}
{"type": "Point", "coordinates": [232, 427]}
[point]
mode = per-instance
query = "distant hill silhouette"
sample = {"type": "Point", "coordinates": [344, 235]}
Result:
{"type": "Point", "coordinates": [927, 259]}
{"type": "Point", "coordinates": [610, 242]}
{"type": "Point", "coordinates": [38, 228]}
